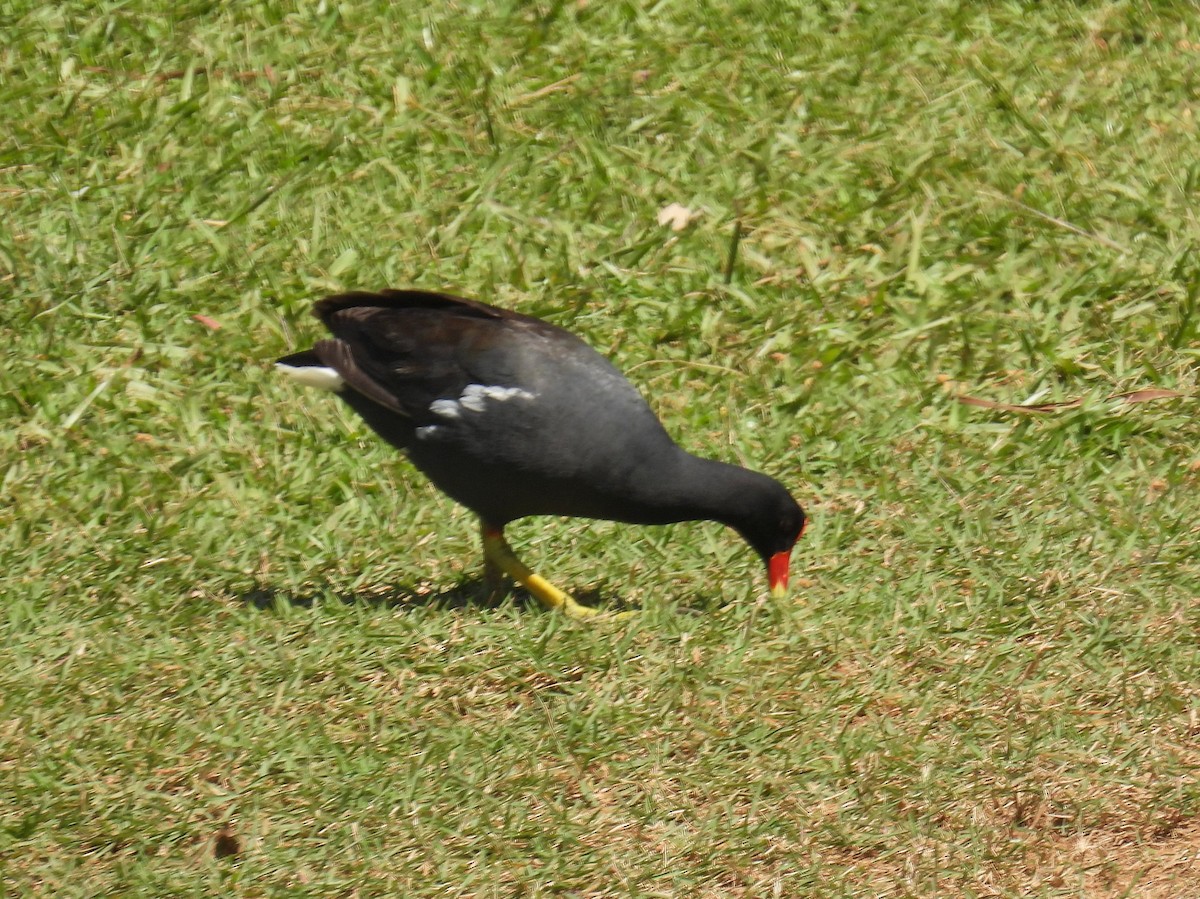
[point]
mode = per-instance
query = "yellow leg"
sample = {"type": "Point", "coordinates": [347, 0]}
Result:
{"type": "Point", "coordinates": [495, 579]}
{"type": "Point", "coordinates": [498, 554]}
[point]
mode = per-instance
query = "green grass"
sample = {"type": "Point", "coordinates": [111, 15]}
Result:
{"type": "Point", "coordinates": [246, 651]}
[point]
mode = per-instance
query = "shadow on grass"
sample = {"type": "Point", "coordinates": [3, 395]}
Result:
{"type": "Point", "coordinates": [472, 593]}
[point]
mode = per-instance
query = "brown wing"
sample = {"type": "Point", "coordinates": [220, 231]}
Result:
{"type": "Point", "coordinates": [405, 349]}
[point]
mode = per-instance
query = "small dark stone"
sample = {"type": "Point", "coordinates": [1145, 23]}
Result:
{"type": "Point", "coordinates": [226, 844]}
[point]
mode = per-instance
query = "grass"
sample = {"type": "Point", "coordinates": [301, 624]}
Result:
{"type": "Point", "coordinates": [246, 650]}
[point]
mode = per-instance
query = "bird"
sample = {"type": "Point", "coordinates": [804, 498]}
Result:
{"type": "Point", "coordinates": [512, 417]}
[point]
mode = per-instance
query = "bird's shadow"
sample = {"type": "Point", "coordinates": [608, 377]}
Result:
{"type": "Point", "coordinates": [470, 593]}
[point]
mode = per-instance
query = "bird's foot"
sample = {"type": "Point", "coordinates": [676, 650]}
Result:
{"type": "Point", "coordinates": [499, 557]}
{"type": "Point", "coordinates": [578, 610]}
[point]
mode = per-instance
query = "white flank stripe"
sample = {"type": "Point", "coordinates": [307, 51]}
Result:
{"type": "Point", "coordinates": [475, 399]}
{"type": "Point", "coordinates": [475, 396]}
{"type": "Point", "coordinates": [472, 398]}
{"type": "Point", "coordinates": [313, 376]}
{"type": "Point", "coordinates": [445, 408]}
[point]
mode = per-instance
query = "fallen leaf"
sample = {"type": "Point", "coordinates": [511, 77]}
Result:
{"type": "Point", "coordinates": [210, 323]}
{"type": "Point", "coordinates": [1150, 393]}
{"type": "Point", "coordinates": [676, 216]}
{"type": "Point", "coordinates": [1133, 396]}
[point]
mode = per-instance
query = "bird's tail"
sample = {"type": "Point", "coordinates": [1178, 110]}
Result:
{"type": "Point", "coordinates": [307, 368]}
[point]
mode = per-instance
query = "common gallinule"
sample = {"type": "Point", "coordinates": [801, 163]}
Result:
{"type": "Point", "coordinates": [512, 416]}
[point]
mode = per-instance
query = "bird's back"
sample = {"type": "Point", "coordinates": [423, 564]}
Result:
{"type": "Point", "coordinates": [508, 414]}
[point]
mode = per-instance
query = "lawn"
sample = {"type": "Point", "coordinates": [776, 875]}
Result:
{"type": "Point", "coordinates": [247, 647]}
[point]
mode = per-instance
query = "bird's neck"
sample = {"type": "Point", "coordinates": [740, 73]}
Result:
{"type": "Point", "coordinates": [691, 488]}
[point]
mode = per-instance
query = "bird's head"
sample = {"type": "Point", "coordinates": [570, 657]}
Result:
{"type": "Point", "coordinates": [772, 531]}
